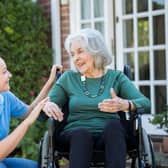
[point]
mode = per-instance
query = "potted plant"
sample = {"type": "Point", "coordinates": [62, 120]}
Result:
{"type": "Point", "coordinates": [161, 119]}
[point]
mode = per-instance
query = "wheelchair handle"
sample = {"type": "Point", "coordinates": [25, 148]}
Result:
{"type": "Point", "coordinates": [58, 73]}
{"type": "Point", "coordinates": [127, 71]}
{"type": "Point", "coordinates": [51, 125]}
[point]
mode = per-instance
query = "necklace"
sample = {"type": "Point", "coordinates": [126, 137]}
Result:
{"type": "Point", "coordinates": [85, 88]}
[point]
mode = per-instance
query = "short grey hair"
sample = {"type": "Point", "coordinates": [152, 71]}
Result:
{"type": "Point", "coordinates": [93, 43]}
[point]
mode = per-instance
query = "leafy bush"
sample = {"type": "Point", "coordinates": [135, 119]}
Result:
{"type": "Point", "coordinates": [23, 45]}
{"type": "Point", "coordinates": [161, 119]}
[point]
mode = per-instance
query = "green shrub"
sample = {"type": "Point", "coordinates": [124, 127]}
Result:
{"type": "Point", "coordinates": [24, 47]}
{"type": "Point", "coordinates": [161, 119]}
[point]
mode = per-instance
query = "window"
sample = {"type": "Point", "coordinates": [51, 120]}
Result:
{"type": "Point", "coordinates": [143, 29]}
{"type": "Point", "coordinates": [92, 14]}
{"type": "Point", "coordinates": [95, 14]}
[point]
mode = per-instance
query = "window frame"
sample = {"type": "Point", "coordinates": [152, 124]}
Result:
{"type": "Point", "coordinates": [120, 50]}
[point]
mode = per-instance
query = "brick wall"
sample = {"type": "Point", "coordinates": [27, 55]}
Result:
{"type": "Point", "coordinates": [64, 22]}
{"type": "Point", "coordinates": [160, 143]}
{"type": "Point", "coordinates": [65, 29]}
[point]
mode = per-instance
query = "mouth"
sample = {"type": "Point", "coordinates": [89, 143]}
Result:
{"type": "Point", "coordinates": [80, 64]}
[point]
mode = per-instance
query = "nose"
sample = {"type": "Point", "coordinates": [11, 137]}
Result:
{"type": "Point", "coordinates": [9, 74]}
{"type": "Point", "coordinates": [75, 57]}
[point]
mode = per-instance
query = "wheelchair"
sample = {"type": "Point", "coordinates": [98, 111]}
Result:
{"type": "Point", "coordinates": [140, 151]}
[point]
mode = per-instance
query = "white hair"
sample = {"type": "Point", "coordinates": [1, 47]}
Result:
{"type": "Point", "coordinates": [93, 43]}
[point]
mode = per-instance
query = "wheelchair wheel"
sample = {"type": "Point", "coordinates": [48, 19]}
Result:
{"type": "Point", "coordinates": [44, 158]}
{"type": "Point", "coordinates": [146, 156]}
{"type": "Point", "coordinates": [139, 163]}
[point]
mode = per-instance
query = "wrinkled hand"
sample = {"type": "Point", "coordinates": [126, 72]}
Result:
{"type": "Point", "coordinates": [52, 110]}
{"type": "Point", "coordinates": [36, 111]}
{"type": "Point", "coordinates": [53, 72]}
{"type": "Point", "coordinates": [114, 104]}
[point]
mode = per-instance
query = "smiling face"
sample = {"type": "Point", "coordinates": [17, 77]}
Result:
{"type": "Point", "coordinates": [83, 62]}
{"type": "Point", "coordinates": [5, 76]}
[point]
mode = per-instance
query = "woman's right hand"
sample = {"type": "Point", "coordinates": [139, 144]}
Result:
{"type": "Point", "coordinates": [53, 72]}
{"type": "Point", "coordinates": [36, 111]}
{"type": "Point", "coordinates": [52, 110]}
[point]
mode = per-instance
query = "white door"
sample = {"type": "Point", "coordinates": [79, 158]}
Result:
{"type": "Point", "coordinates": [142, 41]}
{"type": "Point", "coordinates": [92, 14]}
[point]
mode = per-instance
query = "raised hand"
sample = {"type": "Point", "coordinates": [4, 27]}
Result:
{"type": "Point", "coordinates": [114, 104]}
{"type": "Point", "coordinates": [55, 67]}
{"type": "Point", "coordinates": [36, 111]}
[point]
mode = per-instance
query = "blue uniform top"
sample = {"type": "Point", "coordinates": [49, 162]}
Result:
{"type": "Point", "coordinates": [10, 106]}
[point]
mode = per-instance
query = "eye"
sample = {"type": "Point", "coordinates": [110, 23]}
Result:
{"type": "Point", "coordinates": [4, 71]}
{"type": "Point", "coordinates": [71, 54]}
{"type": "Point", "coordinates": [80, 51]}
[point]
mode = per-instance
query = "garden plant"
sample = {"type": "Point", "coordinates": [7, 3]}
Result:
{"type": "Point", "coordinates": [24, 47]}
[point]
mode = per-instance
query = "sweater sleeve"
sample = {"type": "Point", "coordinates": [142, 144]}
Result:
{"type": "Point", "coordinates": [127, 90]}
{"type": "Point", "coordinates": [58, 93]}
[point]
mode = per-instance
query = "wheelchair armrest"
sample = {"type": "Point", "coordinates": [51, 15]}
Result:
{"type": "Point", "coordinates": [134, 115]}
{"type": "Point", "coordinates": [51, 126]}
{"type": "Point", "coordinates": [42, 117]}
{"type": "Point", "coordinates": [54, 126]}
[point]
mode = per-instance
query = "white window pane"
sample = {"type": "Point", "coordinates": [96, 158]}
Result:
{"type": "Point", "coordinates": [127, 6]}
{"type": "Point", "coordinates": [146, 91]}
{"type": "Point", "coordinates": [85, 25]}
{"type": "Point", "coordinates": [85, 9]}
{"type": "Point", "coordinates": [160, 98]}
{"type": "Point", "coordinates": [159, 65]}
{"type": "Point", "coordinates": [98, 8]}
{"type": "Point", "coordinates": [128, 33]}
{"type": "Point", "coordinates": [100, 27]}
{"type": "Point", "coordinates": [142, 5]}
{"type": "Point", "coordinates": [143, 32]}
{"type": "Point", "coordinates": [159, 29]}
{"type": "Point", "coordinates": [129, 59]}
{"type": "Point", "coordinates": [143, 58]}
{"type": "Point", "coordinates": [158, 4]}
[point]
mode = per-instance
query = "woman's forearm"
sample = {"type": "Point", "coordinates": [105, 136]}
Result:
{"type": "Point", "coordinates": [8, 144]}
{"type": "Point", "coordinates": [43, 93]}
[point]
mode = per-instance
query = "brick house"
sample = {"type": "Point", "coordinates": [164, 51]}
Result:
{"type": "Point", "coordinates": [136, 33]}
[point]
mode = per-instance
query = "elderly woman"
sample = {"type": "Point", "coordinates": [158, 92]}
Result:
{"type": "Point", "coordinates": [11, 106]}
{"type": "Point", "coordinates": [95, 95]}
